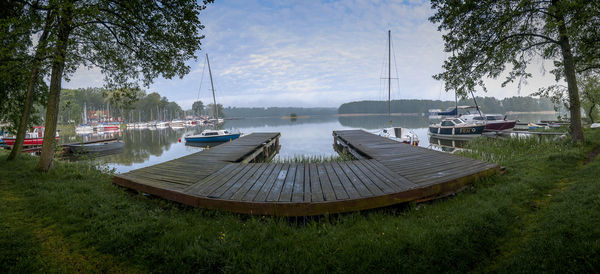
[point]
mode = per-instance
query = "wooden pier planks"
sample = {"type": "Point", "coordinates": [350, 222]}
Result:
{"type": "Point", "coordinates": [388, 173]}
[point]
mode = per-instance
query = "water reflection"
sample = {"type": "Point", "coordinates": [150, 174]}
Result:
{"type": "Point", "coordinates": [446, 145]}
{"type": "Point", "coordinates": [304, 136]}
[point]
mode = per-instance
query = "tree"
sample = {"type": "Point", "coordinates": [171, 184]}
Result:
{"type": "Point", "coordinates": [590, 95]}
{"type": "Point", "coordinates": [130, 41]}
{"type": "Point", "coordinates": [484, 36]}
{"type": "Point", "coordinates": [20, 73]}
{"type": "Point", "coordinates": [211, 109]}
{"type": "Point", "coordinates": [198, 108]}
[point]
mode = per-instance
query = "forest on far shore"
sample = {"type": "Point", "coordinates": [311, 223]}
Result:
{"type": "Point", "coordinates": [486, 104]}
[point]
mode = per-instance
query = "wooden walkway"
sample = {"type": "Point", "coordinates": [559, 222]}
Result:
{"type": "Point", "coordinates": [386, 173]}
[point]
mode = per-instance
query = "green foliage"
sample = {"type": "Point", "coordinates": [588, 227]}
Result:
{"type": "Point", "coordinates": [129, 104]}
{"type": "Point", "coordinates": [485, 36]}
{"type": "Point", "coordinates": [590, 96]}
{"type": "Point", "coordinates": [198, 108]}
{"type": "Point", "coordinates": [487, 104]}
{"type": "Point", "coordinates": [276, 111]}
{"type": "Point", "coordinates": [210, 109]}
{"type": "Point", "coordinates": [19, 24]}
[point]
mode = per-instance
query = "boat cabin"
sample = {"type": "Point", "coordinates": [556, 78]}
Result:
{"type": "Point", "coordinates": [452, 122]}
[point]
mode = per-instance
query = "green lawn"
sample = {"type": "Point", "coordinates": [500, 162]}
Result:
{"type": "Point", "coordinates": [543, 214]}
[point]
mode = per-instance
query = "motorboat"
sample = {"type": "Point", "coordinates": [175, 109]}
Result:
{"type": "Point", "coordinates": [213, 136]}
{"type": "Point", "coordinates": [493, 122]}
{"type": "Point", "coordinates": [456, 128]}
{"type": "Point", "coordinates": [32, 138]}
{"type": "Point", "coordinates": [400, 134]}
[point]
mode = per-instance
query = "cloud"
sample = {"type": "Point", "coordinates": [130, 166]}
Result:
{"type": "Point", "coordinates": [313, 53]}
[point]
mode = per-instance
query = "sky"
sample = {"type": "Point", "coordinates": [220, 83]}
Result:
{"type": "Point", "coordinates": [315, 54]}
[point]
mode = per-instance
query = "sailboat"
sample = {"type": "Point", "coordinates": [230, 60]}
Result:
{"type": "Point", "coordinates": [212, 135]}
{"type": "Point", "coordinates": [84, 128]}
{"type": "Point", "coordinates": [395, 133]}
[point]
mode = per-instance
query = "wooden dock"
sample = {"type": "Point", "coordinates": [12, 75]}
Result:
{"type": "Point", "coordinates": [233, 177]}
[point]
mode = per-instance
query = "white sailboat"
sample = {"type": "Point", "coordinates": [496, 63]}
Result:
{"type": "Point", "coordinates": [395, 133]}
{"type": "Point", "coordinates": [84, 128]}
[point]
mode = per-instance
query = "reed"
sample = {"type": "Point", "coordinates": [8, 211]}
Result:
{"type": "Point", "coordinates": [311, 159]}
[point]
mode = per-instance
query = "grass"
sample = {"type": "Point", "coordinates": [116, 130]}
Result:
{"type": "Point", "coordinates": [542, 215]}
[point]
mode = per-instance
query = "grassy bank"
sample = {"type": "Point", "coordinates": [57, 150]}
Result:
{"type": "Point", "coordinates": [543, 214]}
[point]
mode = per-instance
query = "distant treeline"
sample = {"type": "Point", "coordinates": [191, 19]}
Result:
{"type": "Point", "coordinates": [487, 104]}
{"type": "Point", "coordinates": [241, 112]}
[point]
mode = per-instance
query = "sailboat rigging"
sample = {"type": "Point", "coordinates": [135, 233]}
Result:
{"type": "Point", "coordinates": [212, 135]}
{"type": "Point", "coordinates": [395, 133]}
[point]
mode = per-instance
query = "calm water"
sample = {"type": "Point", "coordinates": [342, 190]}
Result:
{"type": "Point", "coordinates": [308, 137]}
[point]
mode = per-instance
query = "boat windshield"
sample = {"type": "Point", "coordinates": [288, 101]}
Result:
{"type": "Point", "coordinates": [447, 123]}
{"type": "Point", "coordinates": [211, 133]}
{"type": "Point", "coordinates": [457, 121]}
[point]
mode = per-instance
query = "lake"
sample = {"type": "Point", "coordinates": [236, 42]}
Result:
{"type": "Point", "coordinates": [303, 137]}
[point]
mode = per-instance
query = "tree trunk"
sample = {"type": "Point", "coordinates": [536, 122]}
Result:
{"type": "Point", "coordinates": [569, 66]}
{"type": "Point", "coordinates": [590, 112]}
{"type": "Point", "coordinates": [33, 78]}
{"type": "Point", "coordinates": [58, 65]}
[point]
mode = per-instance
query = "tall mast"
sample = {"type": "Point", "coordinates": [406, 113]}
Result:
{"type": "Point", "coordinates": [85, 113]}
{"type": "Point", "coordinates": [456, 103]}
{"type": "Point", "coordinates": [390, 76]}
{"type": "Point", "coordinates": [216, 110]}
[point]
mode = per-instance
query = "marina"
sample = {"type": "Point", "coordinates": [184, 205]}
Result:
{"type": "Point", "coordinates": [233, 177]}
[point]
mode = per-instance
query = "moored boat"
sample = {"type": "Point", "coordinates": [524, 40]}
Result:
{"type": "Point", "coordinates": [456, 128]}
{"type": "Point", "coordinates": [33, 138]}
{"type": "Point", "coordinates": [493, 122]}
{"type": "Point", "coordinates": [94, 146]}
{"type": "Point", "coordinates": [212, 136]}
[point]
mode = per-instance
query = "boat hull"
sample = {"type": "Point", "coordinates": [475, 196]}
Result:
{"type": "Point", "coordinates": [456, 132]}
{"type": "Point", "coordinates": [26, 142]}
{"type": "Point", "coordinates": [500, 126]}
{"type": "Point", "coordinates": [95, 147]}
{"type": "Point", "coordinates": [212, 139]}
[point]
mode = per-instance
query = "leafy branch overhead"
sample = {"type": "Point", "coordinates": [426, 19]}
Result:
{"type": "Point", "coordinates": [131, 42]}
{"type": "Point", "coordinates": [138, 40]}
{"type": "Point", "coordinates": [485, 37]}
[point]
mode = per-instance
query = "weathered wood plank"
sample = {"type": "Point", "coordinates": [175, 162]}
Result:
{"type": "Point", "coordinates": [298, 188]}
{"type": "Point", "coordinates": [278, 185]}
{"type": "Point", "coordinates": [338, 188]}
{"type": "Point", "coordinates": [288, 185]}
{"type": "Point", "coordinates": [266, 188]}
{"type": "Point", "coordinates": [316, 193]}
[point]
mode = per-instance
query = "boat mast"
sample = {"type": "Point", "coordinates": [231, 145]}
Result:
{"type": "Point", "coordinates": [216, 110]}
{"type": "Point", "coordinates": [85, 121]}
{"type": "Point", "coordinates": [456, 103]}
{"type": "Point", "coordinates": [390, 76]}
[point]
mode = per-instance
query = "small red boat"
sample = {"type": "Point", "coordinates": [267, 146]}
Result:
{"type": "Point", "coordinates": [33, 138]}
